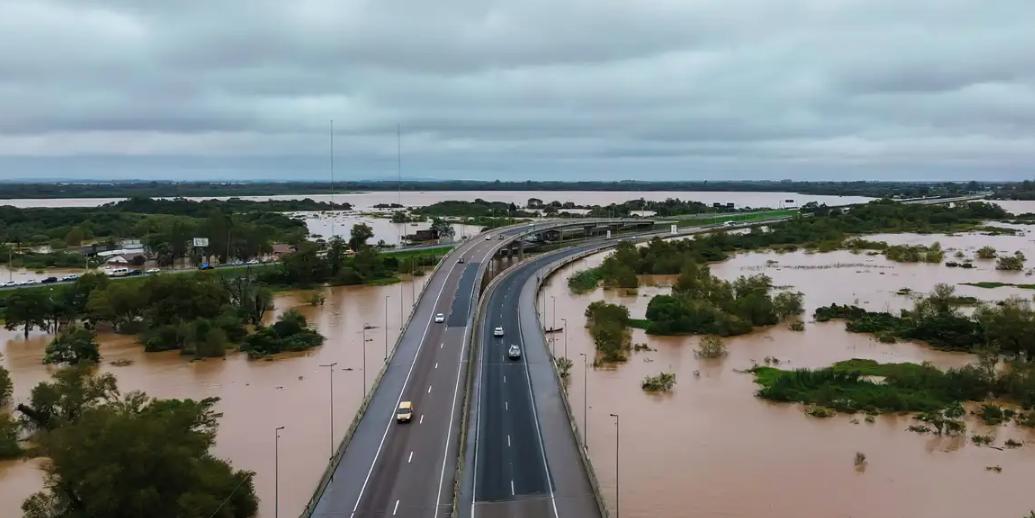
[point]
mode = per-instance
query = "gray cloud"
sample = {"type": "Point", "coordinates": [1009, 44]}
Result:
{"type": "Point", "coordinates": [612, 89]}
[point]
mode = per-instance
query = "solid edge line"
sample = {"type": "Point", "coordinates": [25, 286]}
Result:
{"type": "Point", "coordinates": [456, 389]}
{"type": "Point", "coordinates": [406, 382]}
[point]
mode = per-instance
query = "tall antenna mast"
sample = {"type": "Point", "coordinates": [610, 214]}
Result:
{"type": "Point", "coordinates": [333, 216]}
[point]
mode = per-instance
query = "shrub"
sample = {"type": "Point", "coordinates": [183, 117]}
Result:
{"type": "Point", "coordinates": [1010, 263]}
{"type": "Point", "coordinates": [986, 252]}
{"type": "Point", "coordinates": [711, 347]}
{"type": "Point", "coordinates": [663, 382]}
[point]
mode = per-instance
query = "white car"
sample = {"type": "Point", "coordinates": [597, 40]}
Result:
{"type": "Point", "coordinates": [514, 352]}
{"type": "Point", "coordinates": [152, 271]}
{"type": "Point", "coordinates": [439, 318]}
{"type": "Point", "coordinates": [488, 238]}
{"type": "Point", "coordinates": [70, 277]}
{"type": "Point", "coordinates": [498, 331]}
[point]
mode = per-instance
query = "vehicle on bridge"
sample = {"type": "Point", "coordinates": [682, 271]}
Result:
{"type": "Point", "coordinates": [514, 353]}
{"type": "Point", "coordinates": [405, 412]}
{"type": "Point", "coordinates": [439, 318]}
{"type": "Point", "coordinates": [498, 331]}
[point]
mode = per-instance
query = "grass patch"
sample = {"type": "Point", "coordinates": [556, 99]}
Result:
{"type": "Point", "coordinates": [639, 323]}
{"type": "Point", "coordinates": [865, 385]}
{"type": "Point", "coordinates": [993, 284]}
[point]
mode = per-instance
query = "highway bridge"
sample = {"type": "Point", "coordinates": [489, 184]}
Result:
{"type": "Point", "coordinates": [387, 469]}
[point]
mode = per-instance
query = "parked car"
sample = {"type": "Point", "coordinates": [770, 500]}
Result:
{"type": "Point", "coordinates": [152, 271]}
{"type": "Point", "coordinates": [72, 277]}
{"type": "Point", "coordinates": [514, 352]}
{"type": "Point", "coordinates": [49, 280]}
{"type": "Point", "coordinates": [253, 261]}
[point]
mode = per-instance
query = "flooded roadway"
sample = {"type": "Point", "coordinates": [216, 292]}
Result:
{"type": "Point", "coordinates": [710, 448]}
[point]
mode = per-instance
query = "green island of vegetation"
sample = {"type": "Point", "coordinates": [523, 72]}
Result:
{"type": "Point", "coordinates": [868, 386]}
{"type": "Point", "coordinates": [937, 320]}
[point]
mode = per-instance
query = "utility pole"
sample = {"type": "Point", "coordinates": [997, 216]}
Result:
{"type": "Point", "coordinates": [618, 510]}
{"type": "Point", "coordinates": [276, 471]}
{"type": "Point", "coordinates": [331, 365]}
{"type": "Point", "coordinates": [386, 328]}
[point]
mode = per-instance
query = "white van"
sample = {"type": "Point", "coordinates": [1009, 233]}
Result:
{"type": "Point", "coordinates": [116, 272]}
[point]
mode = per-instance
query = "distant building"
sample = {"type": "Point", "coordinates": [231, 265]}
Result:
{"type": "Point", "coordinates": [423, 235]}
{"type": "Point", "coordinates": [279, 250]}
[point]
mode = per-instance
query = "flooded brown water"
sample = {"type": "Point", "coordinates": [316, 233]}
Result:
{"type": "Point", "coordinates": [710, 448]}
{"type": "Point", "coordinates": [256, 396]}
{"type": "Point", "coordinates": [366, 200]}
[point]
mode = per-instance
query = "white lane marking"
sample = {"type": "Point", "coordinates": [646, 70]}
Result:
{"type": "Point", "coordinates": [511, 487]}
{"type": "Point", "coordinates": [409, 460]}
{"type": "Point", "coordinates": [396, 509]}
{"type": "Point", "coordinates": [436, 365]}
{"type": "Point", "coordinates": [535, 414]}
{"type": "Point", "coordinates": [506, 406]}
{"type": "Point", "coordinates": [477, 429]}
{"type": "Point", "coordinates": [429, 389]}
{"type": "Point", "coordinates": [441, 345]}
{"type": "Point", "coordinates": [421, 419]}
{"type": "Point", "coordinates": [508, 440]}
{"type": "Point", "coordinates": [409, 373]}
{"type": "Point", "coordinates": [504, 379]}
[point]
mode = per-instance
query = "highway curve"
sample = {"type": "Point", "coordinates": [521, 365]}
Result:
{"type": "Point", "coordinates": [525, 457]}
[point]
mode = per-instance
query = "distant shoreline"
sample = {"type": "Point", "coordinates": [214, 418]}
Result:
{"type": "Point", "coordinates": [99, 189]}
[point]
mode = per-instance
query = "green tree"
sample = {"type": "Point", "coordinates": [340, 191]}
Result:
{"type": "Point", "coordinates": [986, 252]}
{"type": "Point", "coordinates": [9, 448]}
{"type": "Point", "coordinates": [1009, 326]}
{"type": "Point", "coordinates": [74, 237]}
{"type": "Point", "coordinates": [6, 386]}
{"type": "Point", "coordinates": [120, 303]}
{"type": "Point", "coordinates": [74, 345]}
{"type": "Point", "coordinates": [359, 235]}
{"type": "Point", "coordinates": [145, 458]}
{"type": "Point", "coordinates": [28, 309]}
{"type": "Point", "coordinates": [788, 304]}
{"type": "Point", "coordinates": [63, 400]}
{"type": "Point", "coordinates": [444, 228]}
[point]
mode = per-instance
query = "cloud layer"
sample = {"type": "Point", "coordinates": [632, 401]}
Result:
{"type": "Point", "coordinates": [485, 89]}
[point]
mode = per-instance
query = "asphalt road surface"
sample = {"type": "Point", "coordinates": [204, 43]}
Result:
{"type": "Point", "coordinates": [392, 469]}
{"type": "Point", "coordinates": [524, 453]}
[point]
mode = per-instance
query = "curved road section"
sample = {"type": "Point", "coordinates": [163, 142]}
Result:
{"type": "Point", "coordinates": [525, 456]}
{"type": "Point", "coordinates": [405, 469]}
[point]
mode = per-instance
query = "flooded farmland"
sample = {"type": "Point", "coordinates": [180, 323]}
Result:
{"type": "Point", "coordinates": [710, 448]}
{"type": "Point", "coordinates": [256, 395]}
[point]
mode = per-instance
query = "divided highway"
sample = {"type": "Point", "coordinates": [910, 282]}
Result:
{"type": "Point", "coordinates": [392, 469]}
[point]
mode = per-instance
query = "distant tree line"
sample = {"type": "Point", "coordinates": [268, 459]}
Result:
{"type": "Point", "coordinates": [200, 189]}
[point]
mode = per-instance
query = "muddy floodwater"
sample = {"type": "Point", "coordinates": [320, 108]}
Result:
{"type": "Point", "coordinates": [710, 448]}
{"type": "Point", "coordinates": [367, 200]}
{"type": "Point", "coordinates": [256, 395]}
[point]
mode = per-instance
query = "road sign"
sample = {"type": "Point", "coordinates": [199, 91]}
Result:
{"type": "Point", "coordinates": [200, 242]}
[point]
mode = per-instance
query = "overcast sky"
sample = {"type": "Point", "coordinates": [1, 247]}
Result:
{"type": "Point", "coordinates": [518, 89]}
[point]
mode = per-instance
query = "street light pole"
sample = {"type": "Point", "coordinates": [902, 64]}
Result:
{"type": "Point", "coordinates": [564, 321]}
{"type": "Point", "coordinates": [618, 510]}
{"type": "Point", "coordinates": [364, 360]}
{"type": "Point", "coordinates": [331, 365]}
{"type": "Point", "coordinates": [386, 328]}
{"type": "Point", "coordinates": [276, 471]}
{"type": "Point", "coordinates": [585, 402]}
{"type": "Point", "coordinates": [553, 326]}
